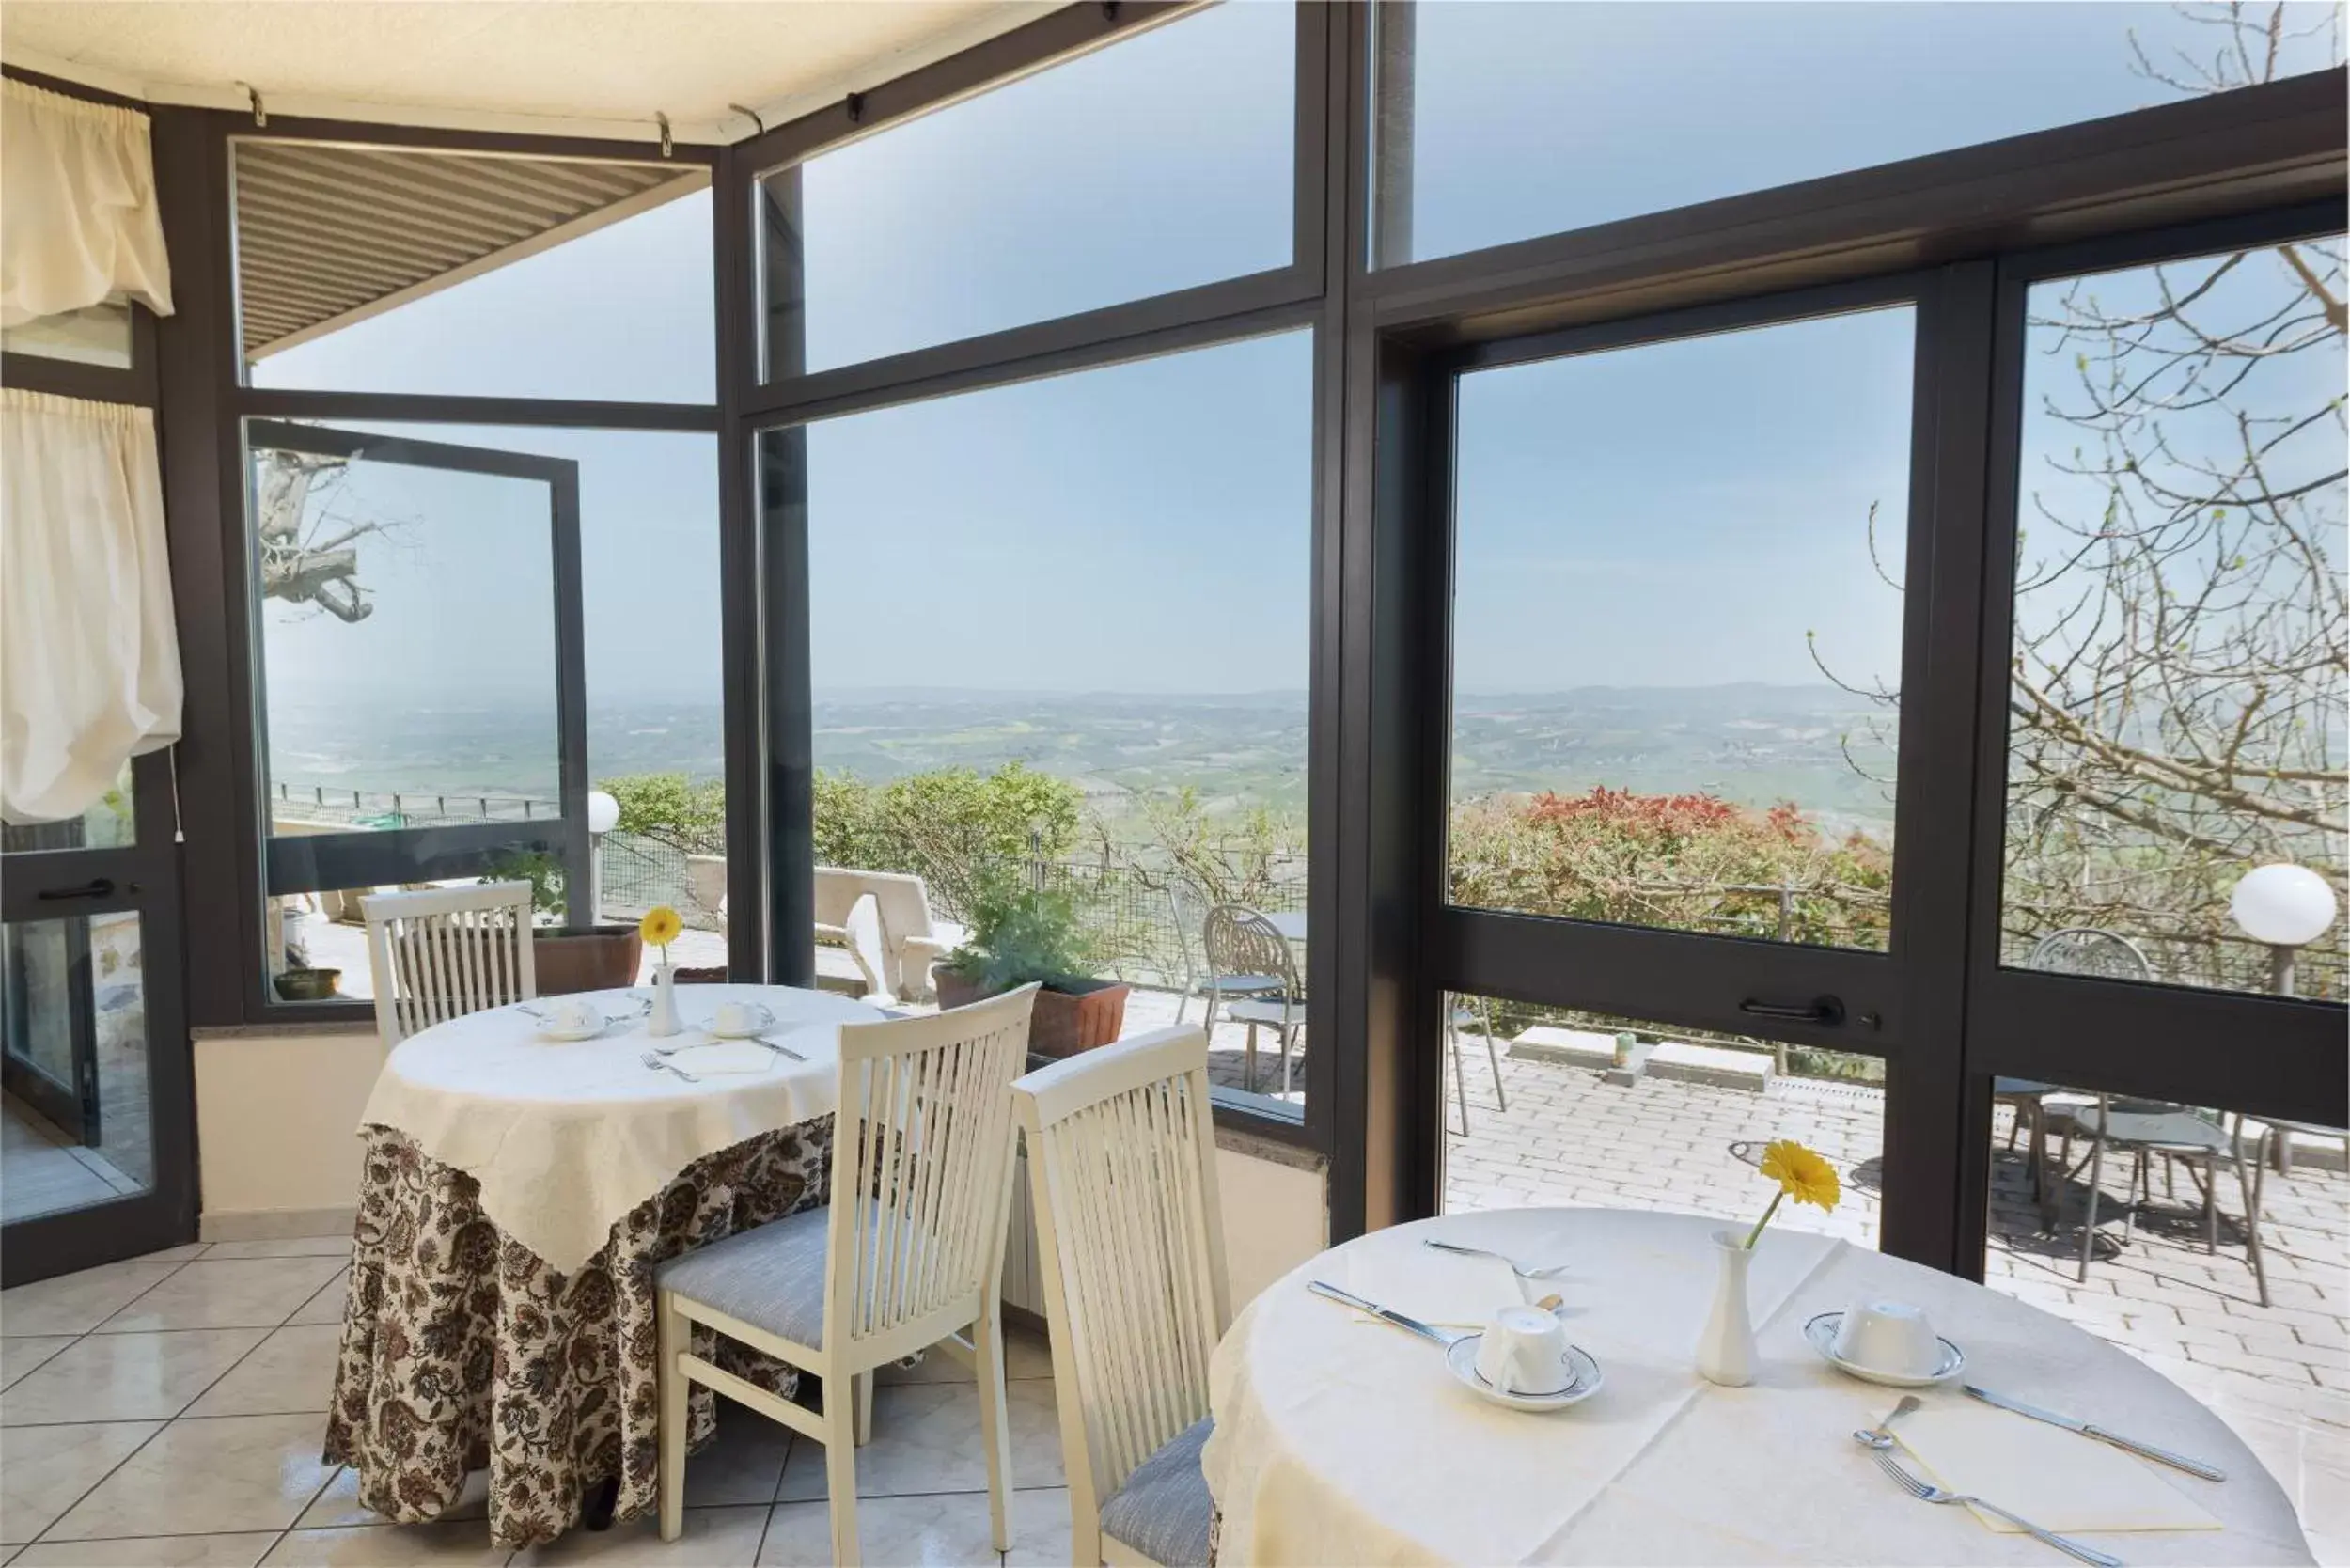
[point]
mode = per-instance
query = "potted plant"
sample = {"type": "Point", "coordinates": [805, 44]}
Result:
{"type": "Point", "coordinates": [1020, 934]}
{"type": "Point", "coordinates": [569, 958]}
{"type": "Point", "coordinates": [298, 982]}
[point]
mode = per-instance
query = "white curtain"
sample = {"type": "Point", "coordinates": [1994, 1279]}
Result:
{"type": "Point", "coordinates": [89, 660]}
{"type": "Point", "coordinates": [82, 224]}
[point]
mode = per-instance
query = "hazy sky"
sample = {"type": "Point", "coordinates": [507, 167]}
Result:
{"type": "Point", "coordinates": [1661, 516]}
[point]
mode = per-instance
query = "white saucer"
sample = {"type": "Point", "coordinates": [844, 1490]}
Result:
{"type": "Point", "coordinates": [549, 1030]}
{"type": "Point", "coordinates": [763, 1021]}
{"type": "Point", "coordinates": [1821, 1332]}
{"type": "Point", "coordinates": [1461, 1356]}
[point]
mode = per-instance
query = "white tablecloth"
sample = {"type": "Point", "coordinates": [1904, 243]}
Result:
{"type": "Point", "coordinates": [566, 1137]}
{"type": "Point", "coordinates": [1339, 1440]}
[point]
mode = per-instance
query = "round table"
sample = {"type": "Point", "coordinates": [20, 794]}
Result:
{"type": "Point", "coordinates": [516, 1195]}
{"type": "Point", "coordinates": [1338, 1440]}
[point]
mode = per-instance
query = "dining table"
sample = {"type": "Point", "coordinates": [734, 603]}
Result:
{"type": "Point", "coordinates": [517, 1192]}
{"type": "Point", "coordinates": [1339, 1438]}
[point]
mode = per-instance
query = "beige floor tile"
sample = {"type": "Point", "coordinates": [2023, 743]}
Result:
{"type": "Point", "coordinates": [208, 1477]}
{"type": "Point", "coordinates": [338, 1505]}
{"type": "Point", "coordinates": [743, 1464]}
{"type": "Point", "coordinates": [388, 1546]}
{"type": "Point", "coordinates": [19, 1356]}
{"type": "Point", "coordinates": [40, 1482]}
{"type": "Point", "coordinates": [712, 1537]}
{"type": "Point", "coordinates": [244, 1293]}
{"type": "Point", "coordinates": [291, 1246]}
{"type": "Point", "coordinates": [1026, 1355]}
{"type": "Point", "coordinates": [77, 1303]}
{"type": "Point", "coordinates": [153, 1551]}
{"type": "Point", "coordinates": [126, 1377]}
{"type": "Point", "coordinates": [179, 1254]}
{"type": "Point", "coordinates": [293, 1371]}
{"type": "Point", "coordinates": [327, 1305]}
{"type": "Point", "coordinates": [943, 1531]}
{"type": "Point", "coordinates": [926, 1438]}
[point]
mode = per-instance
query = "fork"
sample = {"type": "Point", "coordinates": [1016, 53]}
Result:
{"type": "Point", "coordinates": [1881, 1449]}
{"type": "Point", "coordinates": [1552, 1272]}
{"type": "Point", "coordinates": [660, 1064]}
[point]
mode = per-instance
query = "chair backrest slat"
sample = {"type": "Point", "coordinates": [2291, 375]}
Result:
{"type": "Point", "coordinates": [922, 1148]}
{"type": "Point", "coordinates": [1121, 1164]}
{"type": "Point", "coordinates": [442, 952]}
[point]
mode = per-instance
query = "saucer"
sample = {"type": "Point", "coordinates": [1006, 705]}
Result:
{"type": "Point", "coordinates": [761, 1021]}
{"type": "Point", "coordinates": [1821, 1332]}
{"type": "Point", "coordinates": [1461, 1356]}
{"type": "Point", "coordinates": [549, 1030]}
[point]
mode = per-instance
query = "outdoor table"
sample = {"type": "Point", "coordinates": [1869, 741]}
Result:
{"type": "Point", "coordinates": [1338, 1440]}
{"type": "Point", "coordinates": [1290, 923]}
{"type": "Point", "coordinates": [517, 1194]}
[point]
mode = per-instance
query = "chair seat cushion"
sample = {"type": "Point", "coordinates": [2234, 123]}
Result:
{"type": "Point", "coordinates": [1271, 1012]}
{"type": "Point", "coordinates": [1165, 1511]}
{"type": "Point", "coordinates": [2163, 1131]}
{"type": "Point", "coordinates": [771, 1277]}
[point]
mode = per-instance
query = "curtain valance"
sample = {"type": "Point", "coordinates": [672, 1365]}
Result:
{"type": "Point", "coordinates": [82, 224]}
{"type": "Point", "coordinates": [89, 660]}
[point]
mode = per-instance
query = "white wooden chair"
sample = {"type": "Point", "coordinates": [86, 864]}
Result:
{"type": "Point", "coordinates": [1121, 1162]}
{"type": "Point", "coordinates": [908, 1254]}
{"type": "Point", "coordinates": [442, 953]}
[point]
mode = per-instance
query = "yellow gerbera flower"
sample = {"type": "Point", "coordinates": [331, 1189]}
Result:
{"type": "Point", "coordinates": [1801, 1174]}
{"type": "Point", "coordinates": [660, 926]}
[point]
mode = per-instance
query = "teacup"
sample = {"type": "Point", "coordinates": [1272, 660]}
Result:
{"type": "Point", "coordinates": [1888, 1337]}
{"type": "Point", "coordinates": [572, 1015]}
{"type": "Point", "coordinates": [738, 1019]}
{"type": "Point", "coordinates": [1524, 1352]}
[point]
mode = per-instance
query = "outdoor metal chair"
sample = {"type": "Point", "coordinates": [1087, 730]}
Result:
{"type": "Point", "coordinates": [2146, 1129]}
{"type": "Point", "coordinates": [2073, 950]}
{"type": "Point", "coordinates": [1252, 963]}
{"type": "Point", "coordinates": [1479, 1014]}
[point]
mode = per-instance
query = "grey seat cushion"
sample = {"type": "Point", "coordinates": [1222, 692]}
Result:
{"type": "Point", "coordinates": [772, 1278]}
{"type": "Point", "coordinates": [1163, 1510]}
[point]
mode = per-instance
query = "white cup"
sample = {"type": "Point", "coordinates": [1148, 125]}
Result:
{"type": "Point", "coordinates": [1524, 1352]}
{"type": "Point", "coordinates": [574, 1015]}
{"type": "Point", "coordinates": [1888, 1337]}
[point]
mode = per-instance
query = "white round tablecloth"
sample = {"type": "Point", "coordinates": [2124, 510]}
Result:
{"type": "Point", "coordinates": [1340, 1440]}
{"type": "Point", "coordinates": [566, 1137]}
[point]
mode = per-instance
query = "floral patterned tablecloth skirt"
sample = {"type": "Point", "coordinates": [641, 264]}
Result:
{"type": "Point", "coordinates": [462, 1351]}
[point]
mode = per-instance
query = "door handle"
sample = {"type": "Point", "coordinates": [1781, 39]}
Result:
{"type": "Point", "coordinates": [1828, 1010]}
{"type": "Point", "coordinates": [96, 887]}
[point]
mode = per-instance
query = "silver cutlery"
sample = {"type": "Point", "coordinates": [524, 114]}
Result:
{"type": "Point", "coordinates": [1881, 1449]}
{"type": "Point", "coordinates": [2144, 1450]}
{"type": "Point", "coordinates": [1385, 1314]}
{"type": "Point", "coordinates": [661, 1064]}
{"type": "Point", "coordinates": [778, 1047]}
{"type": "Point", "coordinates": [1549, 1272]}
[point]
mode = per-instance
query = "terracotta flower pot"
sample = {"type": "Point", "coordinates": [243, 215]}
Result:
{"type": "Point", "coordinates": [1077, 1015]}
{"type": "Point", "coordinates": [586, 958]}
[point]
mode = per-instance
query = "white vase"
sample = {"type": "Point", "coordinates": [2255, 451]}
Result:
{"type": "Point", "coordinates": [1726, 1350]}
{"type": "Point", "coordinates": [662, 1020]}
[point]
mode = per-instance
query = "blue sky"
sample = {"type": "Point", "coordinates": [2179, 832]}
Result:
{"type": "Point", "coordinates": [1662, 516]}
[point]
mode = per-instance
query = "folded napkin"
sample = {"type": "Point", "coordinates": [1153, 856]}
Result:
{"type": "Point", "coordinates": [2058, 1479]}
{"type": "Point", "coordinates": [1448, 1288]}
{"type": "Point", "coordinates": [722, 1056]}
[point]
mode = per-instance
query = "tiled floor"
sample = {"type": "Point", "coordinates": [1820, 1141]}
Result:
{"type": "Point", "coordinates": [166, 1413]}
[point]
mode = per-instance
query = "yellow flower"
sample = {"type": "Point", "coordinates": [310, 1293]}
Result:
{"type": "Point", "coordinates": [1801, 1174]}
{"type": "Point", "coordinates": [661, 926]}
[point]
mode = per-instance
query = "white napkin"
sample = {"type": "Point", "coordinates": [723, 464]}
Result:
{"type": "Point", "coordinates": [722, 1056]}
{"type": "Point", "coordinates": [2058, 1479]}
{"type": "Point", "coordinates": [1448, 1288]}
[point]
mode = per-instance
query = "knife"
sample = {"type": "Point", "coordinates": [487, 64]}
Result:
{"type": "Point", "coordinates": [2146, 1451]}
{"type": "Point", "coordinates": [1386, 1314]}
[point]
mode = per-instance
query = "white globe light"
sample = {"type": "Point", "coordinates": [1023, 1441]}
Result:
{"type": "Point", "coordinates": [2282, 905]}
{"type": "Point", "coordinates": [604, 812]}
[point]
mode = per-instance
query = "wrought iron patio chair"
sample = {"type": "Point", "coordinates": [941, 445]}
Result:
{"type": "Point", "coordinates": [2073, 950]}
{"type": "Point", "coordinates": [1250, 963]}
{"type": "Point", "coordinates": [1477, 1014]}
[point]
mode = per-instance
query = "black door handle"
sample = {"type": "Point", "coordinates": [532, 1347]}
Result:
{"type": "Point", "coordinates": [97, 888]}
{"type": "Point", "coordinates": [1820, 1010]}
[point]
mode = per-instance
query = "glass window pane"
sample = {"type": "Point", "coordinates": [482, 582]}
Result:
{"type": "Point", "coordinates": [110, 823]}
{"type": "Point", "coordinates": [1502, 121]}
{"type": "Point", "coordinates": [2251, 1330]}
{"type": "Point", "coordinates": [1156, 164]}
{"type": "Point", "coordinates": [380, 270]}
{"type": "Point", "coordinates": [1676, 632]}
{"type": "Point", "coordinates": [98, 334]}
{"type": "Point", "coordinates": [410, 670]}
{"type": "Point", "coordinates": [1553, 1107]}
{"type": "Point", "coordinates": [2177, 710]}
{"type": "Point", "coordinates": [73, 1082]}
{"type": "Point", "coordinates": [1059, 668]}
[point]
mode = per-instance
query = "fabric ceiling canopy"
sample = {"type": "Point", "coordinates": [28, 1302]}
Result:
{"type": "Point", "coordinates": [329, 234]}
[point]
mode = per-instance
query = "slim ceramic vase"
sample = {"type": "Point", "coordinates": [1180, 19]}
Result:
{"type": "Point", "coordinates": [662, 1020]}
{"type": "Point", "coordinates": [1726, 1351]}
